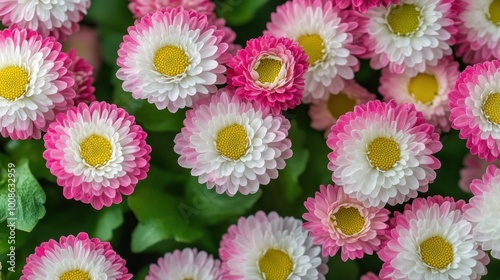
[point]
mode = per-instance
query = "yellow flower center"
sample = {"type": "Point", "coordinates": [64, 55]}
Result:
{"type": "Point", "coordinates": [383, 153]}
{"type": "Point", "coordinates": [491, 108]}
{"type": "Point", "coordinates": [268, 70]}
{"type": "Point", "coordinates": [75, 275]}
{"type": "Point", "coordinates": [339, 104]}
{"type": "Point", "coordinates": [275, 265]}
{"type": "Point", "coordinates": [436, 252]}
{"type": "Point", "coordinates": [313, 46]}
{"type": "Point", "coordinates": [348, 220]}
{"type": "Point", "coordinates": [404, 19]}
{"type": "Point", "coordinates": [171, 61]}
{"type": "Point", "coordinates": [232, 141]}
{"type": "Point", "coordinates": [423, 88]}
{"type": "Point", "coordinates": [494, 11]}
{"type": "Point", "coordinates": [13, 82]}
{"type": "Point", "coordinates": [95, 150]}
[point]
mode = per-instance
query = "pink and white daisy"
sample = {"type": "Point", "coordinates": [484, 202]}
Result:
{"type": "Point", "coordinates": [75, 257]}
{"type": "Point", "coordinates": [172, 58]}
{"type": "Point", "coordinates": [83, 75]}
{"type": "Point", "coordinates": [57, 18]}
{"type": "Point", "coordinates": [232, 145]}
{"type": "Point", "coordinates": [427, 90]}
{"type": "Point", "coordinates": [411, 35]}
{"type": "Point", "coordinates": [324, 113]}
{"type": "Point", "coordinates": [185, 264]}
{"type": "Point", "coordinates": [474, 168]}
{"type": "Point", "coordinates": [369, 276]}
{"type": "Point", "coordinates": [474, 104]}
{"type": "Point", "coordinates": [478, 37]}
{"type": "Point", "coordinates": [328, 36]}
{"type": "Point", "coordinates": [432, 240]}
{"type": "Point", "coordinates": [270, 247]}
{"type": "Point", "coordinates": [34, 83]}
{"type": "Point", "coordinates": [337, 221]}
{"type": "Point", "coordinates": [483, 210]}
{"type": "Point", "coordinates": [140, 8]}
{"type": "Point", "coordinates": [270, 71]}
{"type": "Point", "coordinates": [383, 153]}
{"type": "Point", "coordinates": [363, 5]}
{"type": "Point", "coordinates": [97, 153]}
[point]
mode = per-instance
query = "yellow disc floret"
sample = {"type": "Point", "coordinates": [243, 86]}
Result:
{"type": "Point", "coordinates": [13, 82]}
{"type": "Point", "coordinates": [232, 141]}
{"type": "Point", "coordinates": [171, 61]}
{"type": "Point", "coordinates": [339, 104]}
{"type": "Point", "coordinates": [268, 70]}
{"type": "Point", "coordinates": [383, 153]}
{"type": "Point", "coordinates": [275, 265]}
{"type": "Point", "coordinates": [494, 12]}
{"type": "Point", "coordinates": [404, 19]}
{"type": "Point", "coordinates": [436, 252]}
{"type": "Point", "coordinates": [95, 150]}
{"type": "Point", "coordinates": [491, 108]}
{"type": "Point", "coordinates": [423, 88]}
{"type": "Point", "coordinates": [313, 46]}
{"type": "Point", "coordinates": [348, 220]}
{"type": "Point", "coordinates": [75, 275]}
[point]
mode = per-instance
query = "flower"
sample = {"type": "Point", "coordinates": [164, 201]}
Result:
{"type": "Point", "coordinates": [97, 153]}
{"type": "Point", "coordinates": [233, 145]}
{"type": "Point", "coordinates": [34, 83]}
{"type": "Point", "coordinates": [327, 35]}
{"type": "Point", "coordinates": [49, 18]}
{"type": "Point", "coordinates": [363, 5]}
{"type": "Point", "coordinates": [369, 276]}
{"type": "Point", "coordinates": [87, 45]}
{"type": "Point", "coordinates": [75, 257]}
{"type": "Point", "coordinates": [337, 221]}
{"type": "Point", "coordinates": [478, 37]}
{"type": "Point", "coordinates": [185, 264]}
{"type": "Point", "coordinates": [324, 113]}
{"type": "Point", "coordinates": [270, 71]}
{"type": "Point", "coordinates": [270, 247]}
{"type": "Point", "coordinates": [483, 210]}
{"type": "Point", "coordinates": [411, 35]}
{"type": "Point", "coordinates": [140, 8]}
{"type": "Point", "coordinates": [192, 48]}
{"type": "Point", "coordinates": [83, 75]}
{"type": "Point", "coordinates": [427, 90]}
{"type": "Point", "coordinates": [432, 240]}
{"type": "Point", "coordinates": [474, 102]}
{"type": "Point", "coordinates": [383, 153]}
{"type": "Point", "coordinates": [473, 168]}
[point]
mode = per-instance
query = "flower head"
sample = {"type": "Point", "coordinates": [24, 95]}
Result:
{"type": "Point", "coordinates": [75, 257]}
{"type": "Point", "coordinates": [270, 247]}
{"type": "Point", "coordinates": [270, 71]}
{"type": "Point", "coordinates": [97, 153]}
{"type": "Point", "coordinates": [363, 5]}
{"type": "Point", "coordinates": [383, 153]}
{"type": "Point", "coordinates": [140, 8]}
{"type": "Point", "coordinates": [83, 75]}
{"type": "Point", "coordinates": [233, 145]}
{"type": "Point", "coordinates": [473, 168]}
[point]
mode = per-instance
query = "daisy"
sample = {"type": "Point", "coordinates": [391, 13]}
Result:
{"type": "Point", "coordinates": [432, 240]}
{"type": "Point", "coordinates": [474, 102]}
{"type": "Point", "coordinates": [383, 153]}
{"type": "Point", "coordinates": [75, 257]}
{"type": "Point", "coordinates": [483, 210]}
{"type": "Point", "coordinates": [97, 153]}
{"type": "Point", "coordinates": [337, 221]}
{"type": "Point", "coordinates": [140, 8]}
{"type": "Point", "coordinates": [34, 83]}
{"type": "Point", "coordinates": [478, 37]}
{"type": "Point", "coordinates": [327, 35]}
{"type": "Point", "coordinates": [363, 5]}
{"type": "Point", "coordinates": [185, 264]}
{"type": "Point", "coordinates": [57, 18]}
{"type": "Point", "coordinates": [427, 90]}
{"type": "Point", "coordinates": [411, 35]}
{"type": "Point", "coordinates": [232, 145]}
{"type": "Point", "coordinates": [270, 71]}
{"type": "Point", "coordinates": [270, 247]}
{"type": "Point", "coordinates": [473, 168]}
{"type": "Point", "coordinates": [172, 58]}
{"type": "Point", "coordinates": [83, 75]}
{"type": "Point", "coordinates": [324, 113]}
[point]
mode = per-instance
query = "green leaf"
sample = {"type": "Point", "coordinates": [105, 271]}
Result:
{"type": "Point", "coordinates": [110, 13]}
{"type": "Point", "coordinates": [349, 269]}
{"type": "Point", "coordinates": [108, 220]}
{"type": "Point", "coordinates": [18, 149]}
{"type": "Point", "coordinates": [238, 12]}
{"type": "Point", "coordinates": [152, 119]}
{"type": "Point", "coordinates": [29, 198]}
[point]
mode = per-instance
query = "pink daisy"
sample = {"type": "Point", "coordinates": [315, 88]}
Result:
{"type": "Point", "coordinates": [49, 18]}
{"type": "Point", "coordinates": [427, 90]}
{"type": "Point", "coordinates": [483, 210]}
{"type": "Point", "coordinates": [75, 257]}
{"type": "Point", "coordinates": [185, 264]}
{"type": "Point", "coordinates": [97, 153]}
{"type": "Point", "coordinates": [270, 247]}
{"type": "Point", "coordinates": [363, 5]}
{"type": "Point", "coordinates": [232, 145]}
{"type": "Point", "coordinates": [337, 221]}
{"type": "Point", "coordinates": [34, 83]}
{"type": "Point", "coordinates": [172, 57]}
{"type": "Point", "coordinates": [474, 104]}
{"type": "Point", "coordinates": [324, 113]}
{"type": "Point", "coordinates": [83, 75]}
{"type": "Point", "coordinates": [432, 240]}
{"type": "Point", "coordinates": [140, 8]}
{"type": "Point", "coordinates": [87, 45]}
{"type": "Point", "coordinates": [328, 36]}
{"type": "Point", "coordinates": [270, 71]}
{"type": "Point", "coordinates": [474, 168]}
{"type": "Point", "coordinates": [369, 276]}
{"type": "Point", "coordinates": [383, 153]}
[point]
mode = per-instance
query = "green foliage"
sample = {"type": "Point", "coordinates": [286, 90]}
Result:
{"type": "Point", "coordinates": [239, 12]}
